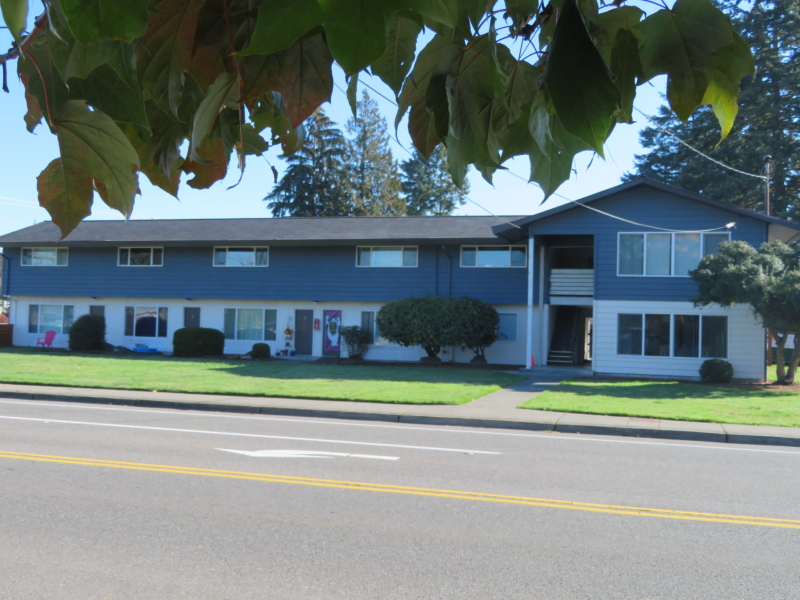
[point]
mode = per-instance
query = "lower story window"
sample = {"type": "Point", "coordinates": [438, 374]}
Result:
{"type": "Point", "coordinates": [507, 329]}
{"type": "Point", "coordinates": [369, 325]}
{"type": "Point", "coordinates": [250, 324]}
{"type": "Point", "coordinates": [682, 336]}
{"type": "Point", "coordinates": [50, 317]}
{"type": "Point", "coordinates": [146, 321]}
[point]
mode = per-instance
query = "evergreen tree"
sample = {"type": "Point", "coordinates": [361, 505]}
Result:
{"type": "Point", "coordinates": [312, 185]}
{"type": "Point", "coordinates": [768, 123]}
{"type": "Point", "coordinates": [427, 186]}
{"type": "Point", "coordinates": [373, 183]}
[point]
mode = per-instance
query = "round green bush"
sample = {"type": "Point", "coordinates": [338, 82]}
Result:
{"type": "Point", "coordinates": [356, 340]}
{"type": "Point", "coordinates": [193, 342]}
{"type": "Point", "coordinates": [88, 333]}
{"type": "Point", "coordinates": [716, 370]}
{"type": "Point", "coordinates": [260, 351]}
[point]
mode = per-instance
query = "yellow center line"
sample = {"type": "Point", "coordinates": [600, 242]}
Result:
{"type": "Point", "coordinates": [415, 491]}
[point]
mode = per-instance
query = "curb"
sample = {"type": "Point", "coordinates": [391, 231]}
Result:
{"type": "Point", "coordinates": [605, 430]}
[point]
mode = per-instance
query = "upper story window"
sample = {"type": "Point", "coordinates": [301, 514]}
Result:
{"type": "Point", "coordinates": [665, 254]}
{"type": "Point", "coordinates": [45, 257]}
{"type": "Point", "coordinates": [386, 256]}
{"type": "Point", "coordinates": [140, 257]}
{"type": "Point", "coordinates": [241, 257]}
{"type": "Point", "coordinates": [494, 256]}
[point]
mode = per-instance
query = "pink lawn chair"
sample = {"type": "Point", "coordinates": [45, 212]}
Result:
{"type": "Point", "coordinates": [47, 340]}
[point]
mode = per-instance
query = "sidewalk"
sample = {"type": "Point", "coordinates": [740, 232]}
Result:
{"type": "Point", "coordinates": [497, 410]}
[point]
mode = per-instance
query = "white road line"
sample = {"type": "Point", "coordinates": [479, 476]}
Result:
{"type": "Point", "coordinates": [454, 429]}
{"type": "Point", "coordinates": [304, 454]}
{"type": "Point", "coordinates": [248, 435]}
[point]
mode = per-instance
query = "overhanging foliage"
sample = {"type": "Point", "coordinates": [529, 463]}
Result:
{"type": "Point", "coordinates": [497, 80]}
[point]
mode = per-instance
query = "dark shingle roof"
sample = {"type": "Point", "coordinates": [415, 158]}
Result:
{"type": "Point", "coordinates": [289, 231]}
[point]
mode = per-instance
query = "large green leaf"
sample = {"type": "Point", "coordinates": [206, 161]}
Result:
{"type": "Point", "coordinates": [281, 24]}
{"type": "Point", "coordinates": [36, 80]}
{"type": "Point", "coordinates": [15, 15]}
{"type": "Point", "coordinates": [579, 82]}
{"type": "Point", "coordinates": [106, 91]}
{"type": "Point", "coordinates": [627, 68]}
{"type": "Point", "coordinates": [223, 93]}
{"type": "Point", "coordinates": [401, 47]}
{"type": "Point", "coordinates": [212, 167]}
{"type": "Point", "coordinates": [522, 86]}
{"type": "Point", "coordinates": [142, 141]}
{"type": "Point", "coordinates": [166, 51]}
{"type": "Point", "coordinates": [415, 87]}
{"type": "Point", "coordinates": [729, 65]}
{"type": "Point", "coordinates": [540, 122]}
{"type": "Point", "coordinates": [552, 168]}
{"type": "Point", "coordinates": [356, 32]}
{"type": "Point", "coordinates": [604, 27]}
{"type": "Point", "coordinates": [300, 74]}
{"type": "Point", "coordinates": [681, 42]}
{"type": "Point", "coordinates": [95, 154]}
{"type": "Point", "coordinates": [94, 20]}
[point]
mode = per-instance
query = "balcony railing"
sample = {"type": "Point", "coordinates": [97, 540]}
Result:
{"type": "Point", "coordinates": [572, 282]}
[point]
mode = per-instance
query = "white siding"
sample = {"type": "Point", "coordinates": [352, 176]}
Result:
{"type": "Point", "coordinates": [746, 341]}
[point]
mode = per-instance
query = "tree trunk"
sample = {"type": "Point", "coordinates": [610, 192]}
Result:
{"type": "Point", "coordinates": [792, 370]}
{"type": "Point", "coordinates": [781, 364]}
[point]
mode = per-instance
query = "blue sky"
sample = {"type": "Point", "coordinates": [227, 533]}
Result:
{"type": "Point", "coordinates": [23, 156]}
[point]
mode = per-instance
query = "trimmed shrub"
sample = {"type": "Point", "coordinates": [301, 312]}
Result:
{"type": "Point", "coordinates": [260, 351]}
{"type": "Point", "coordinates": [716, 370]}
{"type": "Point", "coordinates": [193, 342]}
{"type": "Point", "coordinates": [356, 341]}
{"type": "Point", "coordinates": [417, 322]}
{"type": "Point", "coordinates": [474, 325]}
{"type": "Point", "coordinates": [88, 333]}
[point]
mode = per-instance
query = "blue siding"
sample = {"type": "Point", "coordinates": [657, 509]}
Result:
{"type": "Point", "coordinates": [294, 273]}
{"type": "Point", "coordinates": [651, 207]}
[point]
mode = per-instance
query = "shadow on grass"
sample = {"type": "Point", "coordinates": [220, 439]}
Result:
{"type": "Point", "coordinates": [662, 390]}
{"type": "Point", "coordinates": [279, 369]}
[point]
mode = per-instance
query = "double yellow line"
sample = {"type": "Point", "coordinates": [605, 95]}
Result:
{"type": "Point", "coordinates": [414, 491]}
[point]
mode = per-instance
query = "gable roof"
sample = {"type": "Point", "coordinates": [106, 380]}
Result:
{"type": "Point", "coordinates": [779, 229]}
{"type": "Point", "coordinates": [285, 230]}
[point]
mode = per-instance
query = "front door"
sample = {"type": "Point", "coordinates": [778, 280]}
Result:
{"type": "Point", "coordinates": [332, 333]}
{"type": "Point", "coordinates": [191, 316]}
{"type": "Point", "coordinates": [304, 332]}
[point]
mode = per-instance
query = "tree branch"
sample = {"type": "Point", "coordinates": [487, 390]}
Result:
{"type": "Point", "coordinates": [16, 51]}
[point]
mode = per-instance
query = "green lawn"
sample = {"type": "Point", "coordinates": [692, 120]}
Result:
{"type": "Point", "coordinates": [406, 385]}
{"type": "Point", "coordinates": [671, 400]}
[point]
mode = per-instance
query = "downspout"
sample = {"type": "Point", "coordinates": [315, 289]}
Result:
{"type": "Point", "coordinates": [529, 340]}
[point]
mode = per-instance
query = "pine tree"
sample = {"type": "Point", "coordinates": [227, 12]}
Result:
{"type": "Point", "coordinates": [768, 123]}
{"type": "Point", "coordinates": [373, 183]}
{"type": "Point", "coordinates": [313, 183]}
{"type": "Point", "coordinates": [427, 186]}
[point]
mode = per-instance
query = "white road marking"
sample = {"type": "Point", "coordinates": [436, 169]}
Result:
{"type": "Point", "coordinates": [303, 454]}
{"type": "Point", "coordinates": [248, 435]}
{"type": "Point", "coordinates": [320, 421]}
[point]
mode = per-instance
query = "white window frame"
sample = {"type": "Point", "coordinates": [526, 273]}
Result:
{"type": "Point", "coordinates": [227, 248]}
{"type": "Point", "coordinates": [672, 250]}
{"type": "Point", "coordinates": [236, 322]}
{"type": "Point", "coordinates": [671, 355]}
{"type": "Point", "coordinates": [144, 337]}
{"type": "Point", "coordinates": [508, 266]}
{"type": "Point", "coordinates": [40, 249]}
{"type": "Point", "coordinates": [377, 336]}
{"type": "Point", "coordinates": [42, 331]}
{"type": "Point", "coordinates": [129, 248]}
{"type": "Point", "coordinates": [402, 251]}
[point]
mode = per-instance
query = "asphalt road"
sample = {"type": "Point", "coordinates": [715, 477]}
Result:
{"type": "Point", "coordinates": [108, 502]}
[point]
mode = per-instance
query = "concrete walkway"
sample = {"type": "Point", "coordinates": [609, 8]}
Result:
{"type": "Point", "coordinates": [497, 410]}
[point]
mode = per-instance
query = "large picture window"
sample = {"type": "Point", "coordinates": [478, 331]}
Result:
{"type": "Point", "coordinates": [507, 328]}
{"type": "Point", "coordinates": [146, 321]}
{"type": "Point", "coordinates": [140, 257]}
{"type": "Point", "coordinates": [676, 336]}
{"type": "Point", "coordinates": [386, 256]}
{"type": "Point", "coordinates": [45, 257]}
{"type": "Point", "coordinates": [494, 256]}
{"type": "Point", "coordinates": [241, 257]}
{"type": "Point", "coordinates": [50, 317]}
{"type": "Point", "coordinates": [254, 324]}
{"type": "Point", "coordinates": [665, 254]}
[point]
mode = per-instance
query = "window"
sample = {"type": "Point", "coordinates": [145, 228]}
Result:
{"type": "Point", "coordinates": [507, 329]}
{"type": "Point", "coordinates": [241, 257]}
{"type": "Point", "coordinates": [140, 257]}
{"type": "Point", "coordinates": [676, 336]}
{"type": "Point", "coordinates": [146, 321]}
{"type": "Point", "coordinates": [368, 324]}
{"type": "Point", "coordinates": [45, 257]}
{"type": "Point", "coordinates": [665, 254]}
{"type": "Point", "coordinates": [97, 310]}
{"type": "Point", "coordinates": [386, 256]}
{"type": "Point", "coordinates": [494, 256]}
{"type": "Point", "coordinates": [50, 317]}
{"type": "Point", "coordinates": [250, 324]}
